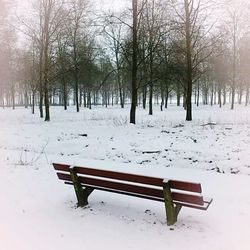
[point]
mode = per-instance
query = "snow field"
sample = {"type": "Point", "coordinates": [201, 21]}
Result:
{"type": "Point", "coordinates": [38, 211]}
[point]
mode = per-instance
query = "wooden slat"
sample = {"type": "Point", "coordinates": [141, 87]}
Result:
{"type": "Point", "coordinates": [123, 187]}
{"type": "Point", "coordinates": [186, 186]}
{"type": "Point", "coordinates": [61, 167]}
{"type": "Point", "coordinates": [188, 198]}
{"type": "Point", "coordinates": [120, 176]}
{"type": "Point", "coordinates": [180, 185]}
{"type": "Point", "coordinates": [115, 185]}
{"type": "Point", "coordinates": [64, 177]}
{"type": "Point", "coordinates": [146, 191]}
{"type": "Point", "coordinates": [120, 192]}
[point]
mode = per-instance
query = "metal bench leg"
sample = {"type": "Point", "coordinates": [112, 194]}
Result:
{"type": "Point", "coordinates": [82, 194]}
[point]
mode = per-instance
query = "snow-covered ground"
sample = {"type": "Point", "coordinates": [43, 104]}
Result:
{"type": "Point", "coordinates": [38, 211]}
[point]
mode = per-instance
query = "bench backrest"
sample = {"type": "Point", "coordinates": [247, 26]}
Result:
{"type": "Point", "coordinates": [184, 193]}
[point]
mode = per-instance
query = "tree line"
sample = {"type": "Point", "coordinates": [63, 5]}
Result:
{"type": "Point", "coordinates": [69, 53]}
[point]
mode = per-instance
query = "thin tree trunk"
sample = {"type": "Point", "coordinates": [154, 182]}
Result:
{"type": "Point", "coordinates": [166, 97]}
{"type": "Point", "coordinates": [41, 82]}
{"type": "Point", "coordinates": [13, 95]}
{"type": "Point", "coordinates": [247, 96]}
{"type": "Point", "coordinates": [144, 97]}
{"type": "Point", "coordinates": [46, 62]}
{"type": "Point", "coordinates": [198, 94]}
{"type": "Point", "coordinates": [224, 95]}
{"type": "Point", "coordinates": [212, 95]}
{"type": "Point", "coordinates": [219, 97]}
{"type": "Point", "coordinates": [134, 65]}
{"type": "Point", "coordinates": [189, 63]}
{"type": "Point", "coordinates": [151, 87]}
{"type": "Point", "coordinates": [33, 102]}
{"type": "Point", "coordinates": [178, 94]}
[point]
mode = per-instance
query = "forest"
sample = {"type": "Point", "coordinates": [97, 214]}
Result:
{"type": "Point", "coordinates": [144, 53]}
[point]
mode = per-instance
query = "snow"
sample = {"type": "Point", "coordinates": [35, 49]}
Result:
{"type": "Point", "coordinates": [39, 212]}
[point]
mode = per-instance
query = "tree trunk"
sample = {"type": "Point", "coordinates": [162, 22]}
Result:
{"type": "Point", "coordinates": [46, 62]}
{"type": "Point", "coordinates": [41, 82]}
{"type": "Point", "coordinates": [76, 74]}
{"type": "Point", "coordinates": [89, 100]}
{"type": "Point", "coordinates": [198, 94]}
{"type": "Point", "coordinates": [13, 95]}
{"type": "Point", "coordinates": [178, 94]}
{"type": "Point", "coordinates": [144, 97]}
{"type": "Point", "coordinates": [224, 95]}
{"type": "Point", "coordinates": [212, 95]}
{"type": "Point", "coordinates": [219, 96]}
{"type": "Point", "coordinates": [232, 97]}
{"type": "Point", "coordinates": [247, 96]}
{"type": "Point", "coordinates": [33, 102]}
{"type": "Point", "coordinates": [151, 89]}
{"type": "Point", "coordinates": [188, 62]}
{"type": "Point", "coordinates": [240, 95]}
{"type": "Point", "coordinates": [166, 97]}
{"type": "Point", "coordinates": [134, 65]}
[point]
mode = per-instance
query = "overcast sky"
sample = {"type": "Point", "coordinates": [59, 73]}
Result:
{"type": "Point", "coordinates": [98, 4]}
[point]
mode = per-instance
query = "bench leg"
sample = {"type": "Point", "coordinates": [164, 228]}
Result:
{"type": "Point", "coordinates": [172, 211]}
{"type": "Point", "coordinates": [81, 194]}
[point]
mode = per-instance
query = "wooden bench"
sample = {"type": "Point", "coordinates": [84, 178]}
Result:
{"type": "Point", "coordinates": [175, 194]}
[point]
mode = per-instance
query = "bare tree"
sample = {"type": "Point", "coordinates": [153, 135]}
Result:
{"type": "Point", "coordinates": [193, 30]}
{"type": "Point", "coordinates": [77, 17]}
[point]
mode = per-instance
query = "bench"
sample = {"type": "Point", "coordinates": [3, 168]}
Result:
{"type": "Point", "coordinates": [175, 194]}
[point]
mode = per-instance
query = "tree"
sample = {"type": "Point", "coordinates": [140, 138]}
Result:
{"type": "Point", "coordinates": [193, 31]}
{"type": "Point", "coordinates": [234, 27]}
{"type": "Point", "coordinates": [134, 62]}
{"type": "Point", "coordinates": [77, 17]}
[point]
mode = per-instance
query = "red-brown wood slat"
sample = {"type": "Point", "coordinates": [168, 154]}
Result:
{"type": "Point", "coordinates": [122, 187]}
{"type": "Point", "coordinates": [186, 186]}
{"type": "Point", "coordinates": [181, 185]}
{"type": "Point", "coordinates": [115, 185]}
{"type": "Point", "coordinates": [120, 176]}
{"type": "Point", "coordinates": [147, 191]}
{"type": "Point", "coordinates": [61, 167]}
{"type": "Point", "coordinates": [64, 177]}
{"type": "Point", "coordinates": [121, 192]}
{"type": "Point", "coordinates": [188, 198]}
{"type": "Point", "coordinates": [112, 175]}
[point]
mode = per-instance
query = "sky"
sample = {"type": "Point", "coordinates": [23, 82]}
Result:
{"type": "Point", "coordinates": [98, 4]}
{"type": "Point", "coordinates": [23, 7]}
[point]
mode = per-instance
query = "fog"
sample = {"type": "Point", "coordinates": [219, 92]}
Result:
{"type": "Point", "coordinates": [61, 52]}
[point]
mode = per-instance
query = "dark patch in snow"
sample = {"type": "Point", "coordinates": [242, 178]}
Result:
{"type": "Point", "coordinates": [234, 171]}
{"type": "Point", "coordinates": [209, 124]}
{"type": "Point", "coordinates": [151, 152]}
{"type": "Point", "coordinates": [217, 169]}
{"type": "Point", "coordinates": [165, 131]}
{"type": "Point", "coordinates": [145, 161]}
{"type": "Point", "coordinates": [83, 135]}
{"type": "Point", "coordinates": [179, 126]}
